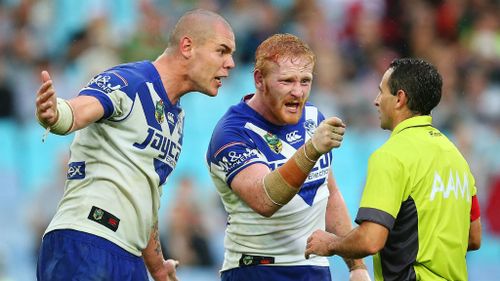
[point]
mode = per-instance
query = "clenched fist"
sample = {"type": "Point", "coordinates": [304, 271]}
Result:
{"type": "Point", "coordinates": [329, 134]}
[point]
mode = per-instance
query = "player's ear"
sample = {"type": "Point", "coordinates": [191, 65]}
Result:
{"type": "Point", "coordinates": [186, 46]}
{"type": "Point", "coordinates": [259, 79]}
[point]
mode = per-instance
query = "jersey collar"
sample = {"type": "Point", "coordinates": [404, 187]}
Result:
{"type": "Point", "coordinates": [417, 121]}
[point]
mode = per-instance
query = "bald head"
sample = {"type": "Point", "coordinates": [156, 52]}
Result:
{"type": "Point", "coordinates": [198, 25]}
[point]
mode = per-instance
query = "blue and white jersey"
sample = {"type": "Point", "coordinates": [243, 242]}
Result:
{"type": "Point", "coordinates": [242, 138]}
{"type": "Point", "coordinates": [118, 165]}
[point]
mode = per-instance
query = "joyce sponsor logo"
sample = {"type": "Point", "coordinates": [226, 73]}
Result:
{"type": "Point", "coordinates": [234, 159]}
{"type": "Point", "coordinates": [169, 149]}
{"type": "Point", "coordinates": [293, 137]}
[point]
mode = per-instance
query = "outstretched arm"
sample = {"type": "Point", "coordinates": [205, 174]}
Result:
{"type": "Point", "coordinates": [367, 239]}
{"type": "Point", "coordinates": [159, 268]}
{"type": "Point", "coordinates": [64, 116]}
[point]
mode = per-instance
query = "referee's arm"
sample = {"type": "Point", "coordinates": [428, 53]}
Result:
{"type": "Point", "coordinates": [475, 226]}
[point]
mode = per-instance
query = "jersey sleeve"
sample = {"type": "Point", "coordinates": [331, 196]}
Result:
{"type": "Point", "coordinates": [384, 190]}
{"type": "Point", "coordinates": [113, 91]}
{"type": "Point", "coordinates": [231, 151]}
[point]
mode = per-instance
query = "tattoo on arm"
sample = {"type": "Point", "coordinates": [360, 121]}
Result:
{"type": "Point", "coordinates": [156, 238]}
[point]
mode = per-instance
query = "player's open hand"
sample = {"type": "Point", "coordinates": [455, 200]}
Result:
{"type": "Point", "coordinates": [329, 134]}
{"type": "Point", "coordinates": [46, 103]}
{"type": "Point", "coordinates": [319, 243]}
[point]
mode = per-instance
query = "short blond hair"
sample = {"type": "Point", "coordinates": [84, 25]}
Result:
{"type": "Point", "coordinates": [197, 24]}
{"type": "Point", "coordinates": [281, 46]}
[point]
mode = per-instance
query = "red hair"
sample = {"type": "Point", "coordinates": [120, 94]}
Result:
{"type": "Point", "coordinates": [279, 47]}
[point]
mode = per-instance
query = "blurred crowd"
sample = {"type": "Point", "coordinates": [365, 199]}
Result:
{"type": "Point", "coordinates": [354, 41]}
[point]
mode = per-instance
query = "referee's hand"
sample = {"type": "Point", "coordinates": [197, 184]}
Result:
{"type": "Point", "coordinates": [319, 244]}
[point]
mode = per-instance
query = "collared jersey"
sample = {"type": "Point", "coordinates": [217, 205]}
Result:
{"type": "Point", "coordinates": [118, 164]}
{"type": "Point", "coordinates": [419, 186]}
{"type": "Point", "coordinates": [243, 138]}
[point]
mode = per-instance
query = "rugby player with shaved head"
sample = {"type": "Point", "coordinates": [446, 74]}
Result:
{"type": "Point", "coordinates": [128, 127]}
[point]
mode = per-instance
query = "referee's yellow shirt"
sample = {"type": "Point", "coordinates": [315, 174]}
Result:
{"type": "Point", "coordinates": [419, 186]}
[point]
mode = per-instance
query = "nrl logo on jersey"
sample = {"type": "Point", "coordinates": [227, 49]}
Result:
{"type": "Point", "coordinates": [160, 111]}
{"type": "Point", "coordinates": [98, 214]}
{"type": "Point", "coordinates": [274, 142]}
{"type": "Point", "coordinates": [310, 126]}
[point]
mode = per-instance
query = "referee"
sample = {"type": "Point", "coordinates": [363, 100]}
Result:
{"type": "Point", "coordinates": [419, 213]}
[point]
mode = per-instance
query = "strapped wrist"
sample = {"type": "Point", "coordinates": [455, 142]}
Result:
{"type": "Point", "coordinates": [311, 151]}
{"type": "Point", "coordinates": [282, 184]}
{"type": "Point", "coordinates": [64, 119]}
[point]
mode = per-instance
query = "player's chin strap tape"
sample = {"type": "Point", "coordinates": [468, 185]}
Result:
{"type": "Point", "coordinates": [65, 119]}
{"type": "Point", "coordinates": [282, 184]}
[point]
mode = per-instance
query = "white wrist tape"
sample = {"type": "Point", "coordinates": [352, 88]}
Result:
{"type": "Point", "coordinates": [64, 121]}
{"type": "Point", "coordinates": [65, 118]}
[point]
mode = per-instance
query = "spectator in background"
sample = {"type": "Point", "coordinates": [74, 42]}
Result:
{"type": "Point", "coordinates": [6, 96]}
{"type": "Point", "coordinates": [418, 187]}
{"type": "Point", "coordinates": [44, 203]}
{"type": "Point", "coordinates": [129, 127]}
{"type": "Point", "coordinates": [151, 38]}
{"type": "Point", "coordinates": [270, 160]}
{"type": "Point", "coordinates": [186, 237]}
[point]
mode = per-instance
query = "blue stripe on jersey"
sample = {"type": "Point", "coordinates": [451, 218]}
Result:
{"type": "Point", "coordinates": [309, 189]}
{"type": "Point", "coordinates": [277, 273]}
{"type": "Point", "coordinates": [162, 169]}
{"type": "Point", "coordinates": [103, 99]}
{"type": "Point", "coordinates": [148, 107]}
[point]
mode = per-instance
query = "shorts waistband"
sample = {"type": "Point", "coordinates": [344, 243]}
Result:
{"type": "Point", "coordinates": [92, 239]}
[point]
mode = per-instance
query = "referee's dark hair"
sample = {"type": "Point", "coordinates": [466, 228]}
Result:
{"type": "Point", "coordinates": [421, 82]}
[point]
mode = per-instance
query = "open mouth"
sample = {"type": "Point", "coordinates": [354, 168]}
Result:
{"type": "Point", "coordinates": [292, 106]}
{"type": "Point", "coordinates": [219, 80]}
